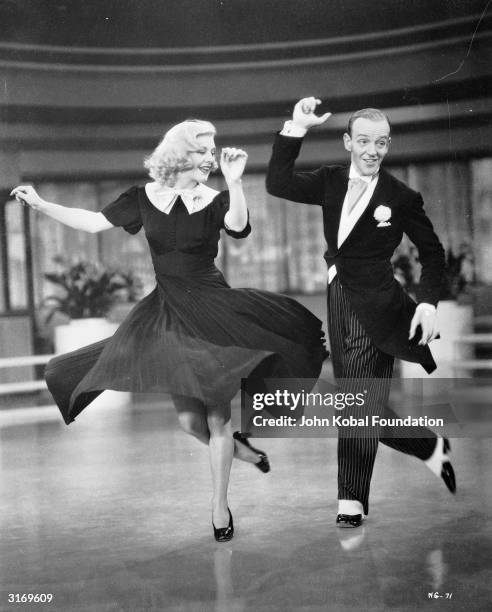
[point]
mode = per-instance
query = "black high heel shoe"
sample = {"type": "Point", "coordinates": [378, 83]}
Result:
{"type": "Point", "coordinates": [224, 534]}
{"type": "Point", "coordinates": [262, 464]}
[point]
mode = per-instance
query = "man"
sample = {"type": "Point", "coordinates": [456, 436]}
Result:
{"type": "Point", "coordinates": [371, 320]}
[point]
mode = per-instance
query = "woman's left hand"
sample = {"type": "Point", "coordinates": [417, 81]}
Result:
{"type": "Point", "coordinates": [232, 163]}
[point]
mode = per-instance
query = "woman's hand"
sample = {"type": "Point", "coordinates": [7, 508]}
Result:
{"type": "Point", "coordinates": [232, 163]}
{"type": "Point", "coordinates": [77, 218]}
{"type": "Point", "coordinates": [25, 194]}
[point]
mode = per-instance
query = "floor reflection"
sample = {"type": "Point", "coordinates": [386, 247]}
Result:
{"type": "Point", "coordinates": [437, 569]}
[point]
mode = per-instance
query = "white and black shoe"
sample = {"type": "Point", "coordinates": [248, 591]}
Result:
{"type": "Point", "coordinates": [440, 465]}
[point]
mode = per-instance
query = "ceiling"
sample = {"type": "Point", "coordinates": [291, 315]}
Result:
{"type": "Point", "coordinates": [189, 23]}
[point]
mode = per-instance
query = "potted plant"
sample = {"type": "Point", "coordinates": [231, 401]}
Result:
{"type": "Point", "coordinates": [87, 292]}
{"type": "Point", "coordinates": [454, 311]}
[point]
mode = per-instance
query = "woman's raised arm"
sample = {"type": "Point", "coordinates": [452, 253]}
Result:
{"type": "Point", "coordinates": [232, 164]}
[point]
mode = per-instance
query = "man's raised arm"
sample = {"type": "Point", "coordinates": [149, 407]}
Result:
{"type": "Point", "coordinates": [282, 181]}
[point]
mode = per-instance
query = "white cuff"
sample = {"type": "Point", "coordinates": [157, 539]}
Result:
{"type": "Point", "coordinates": [426, 306]}
{"type": "Point", "coordinates": [332, 272]}
{"type": "Point", "coordinates": [293, 130]}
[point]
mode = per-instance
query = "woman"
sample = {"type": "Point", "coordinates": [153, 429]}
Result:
{"type": "Point", "coordinates": [193, 336]}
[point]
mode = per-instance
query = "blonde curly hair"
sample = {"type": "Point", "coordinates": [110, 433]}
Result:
{"type": "Point", "coordinates": [171, 155]}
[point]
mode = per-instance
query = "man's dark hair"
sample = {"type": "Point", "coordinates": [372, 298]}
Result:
{"type": "Point", "coordinates": [374, 114]}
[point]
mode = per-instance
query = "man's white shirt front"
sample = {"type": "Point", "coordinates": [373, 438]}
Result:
{"type": "Point", "coordinates": [348, 220]}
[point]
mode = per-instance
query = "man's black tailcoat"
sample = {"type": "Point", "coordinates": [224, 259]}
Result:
{"type": "Point", "coordinates": [363, 261]}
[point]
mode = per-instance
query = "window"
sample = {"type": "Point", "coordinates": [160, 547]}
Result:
{"type": "Point", "coordinates": [14, 256]}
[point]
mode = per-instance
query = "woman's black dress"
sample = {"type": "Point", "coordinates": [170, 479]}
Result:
{"type": "Point", "coordinates": [193, 335]}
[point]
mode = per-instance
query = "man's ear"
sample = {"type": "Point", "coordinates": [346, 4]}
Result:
{"type": "Point", "coordinates": [347, 142]}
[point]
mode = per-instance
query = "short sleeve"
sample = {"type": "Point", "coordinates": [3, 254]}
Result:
{"type": "Point", "coordinates": [124, 211]}
{"type": "Point", "coordinates": [222, 205]}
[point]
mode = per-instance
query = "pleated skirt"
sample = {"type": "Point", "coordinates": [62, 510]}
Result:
{"type": "Point", "coordinates": [196, 337]}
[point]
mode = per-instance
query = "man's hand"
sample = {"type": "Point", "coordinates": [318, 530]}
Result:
{"type": "Point", "coordinates": [427, 320]}
{"type": "Point", "coordinates": [304, 114]}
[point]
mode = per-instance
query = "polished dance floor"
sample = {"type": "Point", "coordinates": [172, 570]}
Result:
{"type": "Point", "coordinates": [113, 513]}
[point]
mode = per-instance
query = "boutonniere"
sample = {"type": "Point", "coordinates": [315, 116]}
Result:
{"type": "Point", "coordinates": [382, 215]}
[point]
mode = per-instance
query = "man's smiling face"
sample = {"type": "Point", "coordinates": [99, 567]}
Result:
{"type": "Point", "coordinates": [368, 144]}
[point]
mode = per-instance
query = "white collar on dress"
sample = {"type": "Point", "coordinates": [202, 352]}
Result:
{"type": "Point", "coordinates": [163, 198]}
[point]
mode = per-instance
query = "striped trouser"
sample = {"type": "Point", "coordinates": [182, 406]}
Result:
{"type": "Point", "coordinates": [355, 357]}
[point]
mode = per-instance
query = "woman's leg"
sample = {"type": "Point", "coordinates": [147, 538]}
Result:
{"type": "Point", "coordinates": [221, 447]}
{"type": "Point", "coordinates": [192, 419]}
{"type": "Point", "coordinates": [212, 426]}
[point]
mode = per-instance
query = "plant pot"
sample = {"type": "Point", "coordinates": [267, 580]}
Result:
{"type": "Point", "coordinates": [454, 320]}
{"type": "Point", "coordinates": [81, 332]}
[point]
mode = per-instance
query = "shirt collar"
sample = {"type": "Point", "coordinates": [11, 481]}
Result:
{"type": "Point", "coordinates": [163, 197]}
{"type": "Point", "coordinates": [353, 174]}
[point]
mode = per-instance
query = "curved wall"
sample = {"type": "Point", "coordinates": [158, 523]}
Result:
{"type": "Point", "coordinates": [80, 111]}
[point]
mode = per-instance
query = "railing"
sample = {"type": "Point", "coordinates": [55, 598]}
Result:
{"type": "Point", "coordinates": [474, 339]}
{"type": "Point", "coordinates": [27, 386]}
{"type": "Point", "coordinates": [40, 385]}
